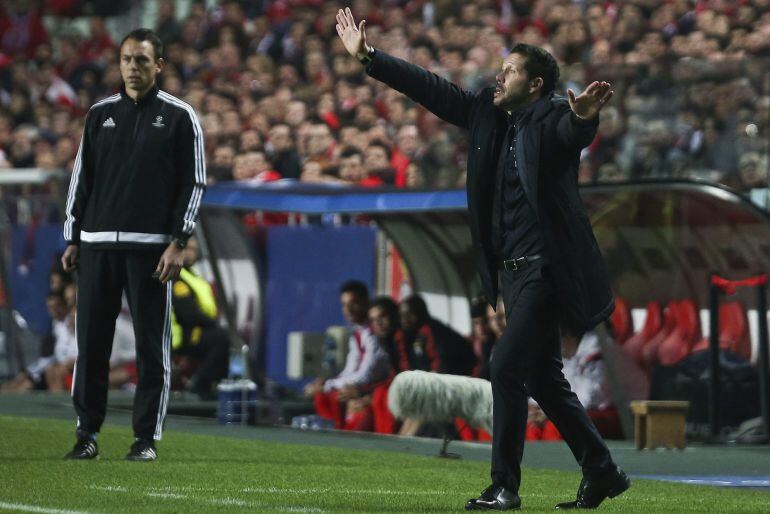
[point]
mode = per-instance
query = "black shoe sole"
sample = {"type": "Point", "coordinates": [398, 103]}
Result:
{"type": "Point", "coordinates": [619, 488]}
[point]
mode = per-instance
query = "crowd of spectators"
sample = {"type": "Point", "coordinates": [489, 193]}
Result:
{"type": "Point", "coordinates": [278, 96]}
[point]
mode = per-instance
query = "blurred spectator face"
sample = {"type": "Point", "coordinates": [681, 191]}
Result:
{"type": "Point", "coordinates": [345, 67]}
{"type": "Point", "coordinates": [319, 139]}
{"type": "Point", "coordinates": [172, 84]}
{"type": "Point", "coordinates": [410, 321]}
{"type": "Point", "coordinates": [56, 281]}
{"type": "Point", "coordinates": [70, 296]}
{"type": "Point", "coordinates": [231, 123]}
{"type": "Point", "coordinates": [288, 75]}
{"type": "Point", "coordinates": [366, 115]}
{"type": "Point", "coordinates": [408, 139]}
{"type": "Point", "coordinates": [513, 85]}
{"type": "Point", "coordinates": [480, 327]}
{"type": "Point", "coordinates": [242, 168]}
{"type": "Point", "coordinates": [311, 172]}
{"type": "Point", "coordinates": [224, 156]}
{"type": "Point", "coordinates": [64, 151]}
{"type": "Point", "coordinates": [45, 160]}
{"type": "Point", "coordinates": [280, 138]}
{"type": "Point", "coordinates": [166, 10]}
{"type": "Point", "coordinates": [352, 168]}
{"type": "Point", "coordinates": [296, 113]}
{"type": "Point", "coordinates": [57, 307]}
{"type": "Point", "coordinates": [376, 158]}
{"type": "Point", "coordinates": [138, 65]}
{"type": "Point", "coordinates": [191, 252]}
{"type": "Point", "coordinates": [354, 307]}
{"type": "Point", "coordinates": [414, 176]}
{"type": "Point", "coordinates": [250, 141]}
{"type": "Point", "coordinates": [380, 322]}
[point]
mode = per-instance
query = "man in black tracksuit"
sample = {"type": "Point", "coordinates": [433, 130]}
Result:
{"type": "Point", "coordinates": [133, 202]}
{"type": "Point", "coordinates": [529, 227]}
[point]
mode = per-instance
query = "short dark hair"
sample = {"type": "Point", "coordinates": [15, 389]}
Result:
{"type": "Point", "coordinates": [146, 35]}
{"type": "Point", "coordinates": [539, 63]}
{"type": "Point", "coordinates": [356, 287]}
{"type": "Point", "coordinates": [418, 307]}
{"type": "Point", "coordinates": [382, 144]}
{"type": "Point", "coordinates": [350, 151]}
{"type": "Point", "coordinates": [388, 305]}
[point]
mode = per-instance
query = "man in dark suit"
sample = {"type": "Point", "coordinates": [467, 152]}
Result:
{"type": "Point", "coordinates": [529, 228]}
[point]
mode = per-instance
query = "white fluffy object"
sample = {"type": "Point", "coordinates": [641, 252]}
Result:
{"type": "Point", "coordinates": [434, 397]}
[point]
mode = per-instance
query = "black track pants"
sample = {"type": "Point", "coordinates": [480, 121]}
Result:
{"type": "Point", "coordinates": [103, 275]}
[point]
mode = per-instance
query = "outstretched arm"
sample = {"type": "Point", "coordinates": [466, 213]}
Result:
{"type": "Point", "coordinates": [440, 96]}
{"type": "Point", "coordinates": [577, 128]}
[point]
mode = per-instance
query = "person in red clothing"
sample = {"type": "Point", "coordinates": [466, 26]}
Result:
{"type": "Point", "coordinates": [377, 162]}
{"type": "Point", "coordinates": [383, 318]}
{"type": "Point", "coordinates": [338, 398]}
{"type": "Point", "coordinates": [21, 29]}
{"type": "Point", "coordinates": [426, 344]}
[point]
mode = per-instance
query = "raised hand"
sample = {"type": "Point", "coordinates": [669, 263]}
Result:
{"type": "Point", "coordinates": [591, 100]}
{"type": "Point", "coordinates": [354, 38]}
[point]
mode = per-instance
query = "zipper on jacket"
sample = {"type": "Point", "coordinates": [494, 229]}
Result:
{"type": "Point", "coordinates": [136, 123]}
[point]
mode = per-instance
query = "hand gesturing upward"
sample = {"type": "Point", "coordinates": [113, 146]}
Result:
{"type": "Point", "coordinates": [591, 100]}
{"type": "Point", "coordinates": [354, 38]}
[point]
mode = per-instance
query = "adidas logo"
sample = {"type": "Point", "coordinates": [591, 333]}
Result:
{"type": "Point", "coordinates": [108, 123]}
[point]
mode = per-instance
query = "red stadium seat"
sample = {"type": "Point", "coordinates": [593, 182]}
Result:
{"type": "Point", "coordinates": [733, 331]}
{"type": "Point", "coordinates": [686, 332]}
{"type": "Point", "coordinates": [652, 325]}
{"type": "Point", "coordinates": [649, 353]}
{"type": "Point", "coordinates": [621, 321]}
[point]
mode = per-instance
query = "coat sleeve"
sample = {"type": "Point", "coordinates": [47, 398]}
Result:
{"type": "Point", "coordinates": [446, 100]}
{"type": "Point", "coordinates": [81, 182]}
{"type": "Point", "coordinates": [190, 172]}
{"type": "Point", "coordinates": [576, 133]}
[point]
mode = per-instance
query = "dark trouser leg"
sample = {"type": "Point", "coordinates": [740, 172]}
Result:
{"type": "Point", "coordinates": [513, 359]}
{"type": "Point", "coordinates": [527, 361]}
{"type": "Point", "coordinates": [99, 290]}
{"type": "Point", "coordinates": [553, 393]}
{"type": "Point", "coordinates": [150, 303]}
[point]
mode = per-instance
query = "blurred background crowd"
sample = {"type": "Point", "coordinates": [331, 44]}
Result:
{"type": "Point", "coordinates": [278, 96]}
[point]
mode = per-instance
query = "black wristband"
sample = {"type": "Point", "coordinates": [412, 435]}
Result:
{"type": "Point", "coordinates": [366, 60]}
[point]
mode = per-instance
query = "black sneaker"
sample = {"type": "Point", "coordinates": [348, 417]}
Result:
{"type": "Point", "coordinates": [142, 450]}
{"type": "Point", "coordinates": [84, 449]}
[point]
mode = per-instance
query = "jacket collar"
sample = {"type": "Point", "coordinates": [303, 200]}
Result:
{"type": "Point", "coordinates": [543, 106]}
{"type": "Point", "coordinates": [147, 98]}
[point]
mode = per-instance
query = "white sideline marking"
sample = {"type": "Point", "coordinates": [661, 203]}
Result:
{"type": "Point", "coordinates": [274, 490]}
{"type": "Point", "coordinates": [174, 496]}
{"type": "Point", "coordinates": [34, 508]}
{"type": "Point", "coordinates": [169, 494]}
{"type": "Point", "coordinates": [110, 488]}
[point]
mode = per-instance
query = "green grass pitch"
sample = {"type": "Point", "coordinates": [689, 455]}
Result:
{"type": "Point", "coordinates": [200, 473]}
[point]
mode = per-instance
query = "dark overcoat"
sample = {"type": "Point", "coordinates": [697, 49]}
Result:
{"type": "Point", "coordinates": [548, 149]}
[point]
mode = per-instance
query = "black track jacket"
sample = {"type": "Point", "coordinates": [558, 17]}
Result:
{"type": "Point", "coordinates": [139, 174]}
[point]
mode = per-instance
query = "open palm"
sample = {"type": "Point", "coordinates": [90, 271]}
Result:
{"type": "Point", "coordinates": [591, 100]}
{"type": "Point", "coordinates": [352, 36]}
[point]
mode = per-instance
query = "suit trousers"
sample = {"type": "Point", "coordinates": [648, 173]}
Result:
{"type": "Point", "coordinates": [527, 362]}
{"type": "Point", "coordinates": [103, 275]}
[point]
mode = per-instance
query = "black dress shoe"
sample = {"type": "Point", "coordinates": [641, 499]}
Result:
{"type": "Point", "coordinates": [593, 491]}
{"type": "Point", "coordinates": [495, 498]}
